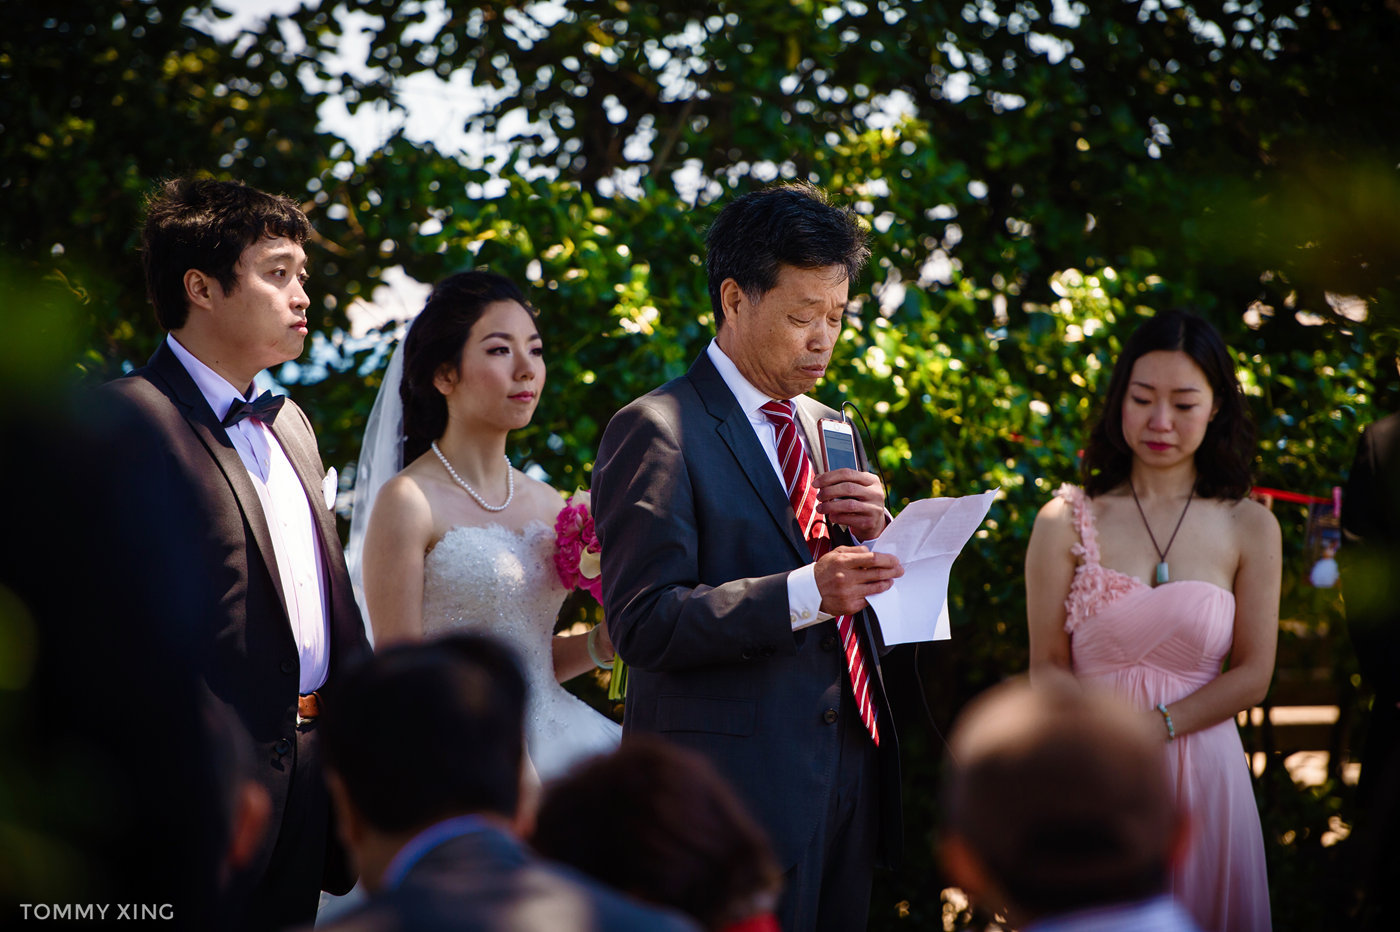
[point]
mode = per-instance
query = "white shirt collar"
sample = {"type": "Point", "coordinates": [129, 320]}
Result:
{"type": "Point", "coordinates": [750, 399]}
{"type": "Point", "coordinates": [217, 390]}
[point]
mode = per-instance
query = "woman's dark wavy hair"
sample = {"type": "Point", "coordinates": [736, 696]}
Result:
{"type": "Point", "coordinates": [436, 339]}
{"type": "Point", "coordinates": [1223, 461]}
{"type": "Point", "coordinates": [659, 822]}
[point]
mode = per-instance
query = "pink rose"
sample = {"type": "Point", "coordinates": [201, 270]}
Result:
{"type": "Point", "coordinates": [577, 554]}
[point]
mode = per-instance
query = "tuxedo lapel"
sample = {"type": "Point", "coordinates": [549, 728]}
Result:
{"type": "Point", "coordinates": [180, 388]}
{"type": "Point", "coordinates": [737, 433]}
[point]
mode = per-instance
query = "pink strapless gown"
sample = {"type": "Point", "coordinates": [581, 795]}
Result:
{"type": "Point", "coordinates": [1159, 645]}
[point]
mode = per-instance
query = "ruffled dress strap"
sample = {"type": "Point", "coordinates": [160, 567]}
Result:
{"type": "Point", "coordinates": [1093, 588]}
{"type": "Point", "coordinates": [1083, 512]}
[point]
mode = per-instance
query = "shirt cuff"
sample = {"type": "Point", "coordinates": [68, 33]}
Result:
{"type": "Point", "coordinates": [804, 599]}
{"type": "Point", "coordinates": [861, 543]}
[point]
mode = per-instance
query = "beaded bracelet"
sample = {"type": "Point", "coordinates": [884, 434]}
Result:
{"type": "Point", "coordinates": [1167, 717]}
{"type": "Point", "coordinates": [592, 642]}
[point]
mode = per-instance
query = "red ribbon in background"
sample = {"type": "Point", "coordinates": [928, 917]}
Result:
{"type": "Point", "coordinates": [1279, 495]}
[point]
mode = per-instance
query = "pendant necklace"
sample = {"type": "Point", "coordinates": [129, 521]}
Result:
{"type": "Point", "coordinates": [476, 496]}
{"type": "Point", "coordinates": [1163, 574]}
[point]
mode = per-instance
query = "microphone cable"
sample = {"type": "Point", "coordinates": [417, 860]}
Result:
{"type": "Point", "coordinates": [869, 445]}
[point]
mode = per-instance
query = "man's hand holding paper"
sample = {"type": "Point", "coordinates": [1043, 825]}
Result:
{"type": "Point", "coordinates": [926, 538]}
{"type": "Point", "coordinates": [848, 576]}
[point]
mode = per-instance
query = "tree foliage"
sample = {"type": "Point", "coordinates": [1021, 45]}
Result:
{"type": "Point", "coordinates": [1227, 139]}
{"type": "Point", "coordinates": [1036, 175]}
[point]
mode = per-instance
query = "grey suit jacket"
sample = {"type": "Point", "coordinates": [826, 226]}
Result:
{"type": "Point", "coordinates": [698, 539]}
{"type": "Point", "coordinates": [200, 492]}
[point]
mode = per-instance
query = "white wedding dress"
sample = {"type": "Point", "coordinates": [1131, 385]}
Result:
{"type": "Point", "coordinates": [492, 580]}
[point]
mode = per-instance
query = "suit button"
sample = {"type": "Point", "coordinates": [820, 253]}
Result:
{"type": "Point", "coordinates": [288, 667]}
{"type": "Point", "coordinates": [283, 745]}
{"type": "Point", "coordinates": [766, 652]}
{"type": "Point", "coordinates": [829, 642]}
{"type": "Point", "coordinates": [746, 653]}
{"type": "Point", "coordinates": [829, 716]}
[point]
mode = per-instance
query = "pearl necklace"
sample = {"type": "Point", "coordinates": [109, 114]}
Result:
{"type": "Point", "coordinates": [476, 496]}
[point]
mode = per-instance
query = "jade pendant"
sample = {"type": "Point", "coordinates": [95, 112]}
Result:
{"type": "Point", "coordinates": [1162, 575]}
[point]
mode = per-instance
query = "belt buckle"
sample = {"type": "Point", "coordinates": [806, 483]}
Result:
{"type": "Point", "coordinates": [315, 707]}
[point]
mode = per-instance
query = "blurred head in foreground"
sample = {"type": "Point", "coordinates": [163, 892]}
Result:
{"type": "Point", "coordinates": [659, 822]}
{"type": "Point", "coordinates": [1058, 801]}
{"type": "Point", "coordinates": [424, 732]}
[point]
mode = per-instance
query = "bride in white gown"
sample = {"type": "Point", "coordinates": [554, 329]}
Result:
{"type": "Point", "coordinates": [459, 539]}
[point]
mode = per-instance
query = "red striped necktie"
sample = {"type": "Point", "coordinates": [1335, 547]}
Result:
{"type": "Point", "coordinates": [797, 479]}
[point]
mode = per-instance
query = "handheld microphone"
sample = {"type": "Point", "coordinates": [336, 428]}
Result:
{"type": "Point", "coordinates": [869, 446]}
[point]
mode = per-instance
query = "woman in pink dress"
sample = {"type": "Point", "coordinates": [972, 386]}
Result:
{"type": "Point", "coordinates": [1159, 580]}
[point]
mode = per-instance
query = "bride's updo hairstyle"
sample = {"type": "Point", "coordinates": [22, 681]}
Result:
{"type": "Point", "coordinates": [436, 340]}
{"type": "Point", "coordinates": [1227, 450]}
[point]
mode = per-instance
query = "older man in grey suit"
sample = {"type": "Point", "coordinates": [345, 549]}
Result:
{"type": "Point", "coordinates": [732, 585]}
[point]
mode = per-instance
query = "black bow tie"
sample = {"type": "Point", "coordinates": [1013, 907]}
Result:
{"type": "Point", "coordinates": [264, 408]}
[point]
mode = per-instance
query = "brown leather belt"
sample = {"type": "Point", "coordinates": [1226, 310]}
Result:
{"type": "Point", "coordinates": [308, 707]}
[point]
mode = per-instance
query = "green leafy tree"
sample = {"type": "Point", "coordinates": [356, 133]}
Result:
{"type": "Point", "coordinates": [101, 100]}
{"type": "Point", "coordinates": [1213, 141]}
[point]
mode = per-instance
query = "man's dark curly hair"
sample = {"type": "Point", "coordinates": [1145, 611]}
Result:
{"type": "Point", "coordinates": [790, 224]}
{"type": "Point", "coordinates": [200, 223]}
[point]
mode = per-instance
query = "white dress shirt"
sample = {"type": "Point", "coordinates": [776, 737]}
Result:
{"type": "Point", "coordinates": [804, 599]}
{"type": "Point", "coordinates": [295, 544]}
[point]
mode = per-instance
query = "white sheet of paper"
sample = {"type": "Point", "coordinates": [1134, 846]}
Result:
{"type": "Point", "coordinates": [927, 537]}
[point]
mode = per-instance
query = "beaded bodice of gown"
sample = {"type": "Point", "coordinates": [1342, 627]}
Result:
{"type": "Point", "coordinates": [499, 581]}
{"type": "Point", "coordinates": [496, 580]}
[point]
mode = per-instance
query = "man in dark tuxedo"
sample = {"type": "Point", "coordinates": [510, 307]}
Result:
{"type": "Point", "coordinates": [732, 586]}
{"type": "Point", "coordinates": [1370, 564]}
{"type": "Point", "coordinates": [425, 750]}
{"type": "Point", "coordinates": [237, 484]}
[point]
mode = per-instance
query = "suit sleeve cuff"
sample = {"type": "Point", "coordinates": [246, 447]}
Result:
{"type": "Point", "coordinates": [804, 600]}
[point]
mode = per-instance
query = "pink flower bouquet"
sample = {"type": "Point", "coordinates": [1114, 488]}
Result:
{"type": "Point", "coordinates": [577, 556]}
